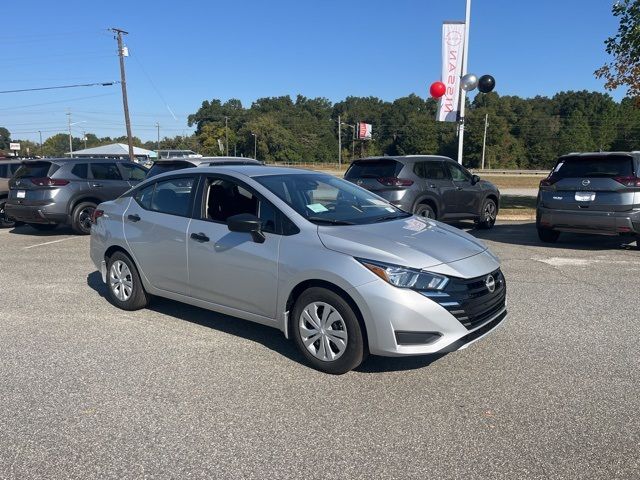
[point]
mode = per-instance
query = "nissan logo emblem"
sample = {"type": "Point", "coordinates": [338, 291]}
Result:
{"type": "Point", "coordinates": [490, 282]}
{"type": "Point", "coordinates": [586, 182]}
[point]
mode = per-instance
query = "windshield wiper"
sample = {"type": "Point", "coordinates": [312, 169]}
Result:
{"type": "Point", "coordinates": [393, 217]}
{"type": "Point", "coordinates": [329, 221]}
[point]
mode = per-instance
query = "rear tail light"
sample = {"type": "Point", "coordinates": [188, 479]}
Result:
{"type": "Point", "coordinates": [547, 182]}
{"type": "Point", "coordinates": [96, 215]}
{"type": "Point", "coordinates": [395, 182]}
{"type": "Point", "coordinates": [629, 181]}
{"type": "Point", "coordinates": [49, 182]}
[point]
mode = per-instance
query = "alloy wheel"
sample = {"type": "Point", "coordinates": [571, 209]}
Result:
{"type": "Point", "coordinates": [84, 218]}
{"type": "Point", "coordinates": [121, 280]}
{"type": "Point", "coordinates": [323, 331]}
{"type": "Point", "coordinates": [490, 212]}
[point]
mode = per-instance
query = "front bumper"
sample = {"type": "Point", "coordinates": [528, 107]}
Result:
{"type": "Point", "coordinates": [391, 313]}
{"type": "Point", "coordinates": [33, 214]}
{"type": "Point", "coordinates": [589, 221]}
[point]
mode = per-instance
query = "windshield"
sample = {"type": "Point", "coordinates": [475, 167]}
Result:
{"type": "Point", "coordinates": [327, 200]}
{"type": "Point", "coordinates": [594, 166]}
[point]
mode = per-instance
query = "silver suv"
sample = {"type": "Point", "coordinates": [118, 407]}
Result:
{"type": "Point", "coordinates": [590, 193]}
{"type": "Point", "coordinates": [337, 269]}
{"type": "Point", "coordinates": [429, 186]}
{"type": "Point", "coordinates": [47, 193]}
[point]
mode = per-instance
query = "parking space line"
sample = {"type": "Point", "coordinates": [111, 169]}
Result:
{"type": "Point", "coordinates": [49, 243]}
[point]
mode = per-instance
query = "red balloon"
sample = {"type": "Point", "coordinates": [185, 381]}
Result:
{"type": "Point", "coordinates": [438, 89]}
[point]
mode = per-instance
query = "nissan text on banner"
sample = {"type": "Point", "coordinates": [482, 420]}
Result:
{"type": "Point", "coordinates": [364, 131]}
{"type": "Point", "coordinates": [452, 51]}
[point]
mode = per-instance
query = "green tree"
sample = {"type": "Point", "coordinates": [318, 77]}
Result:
{"type": "Point", "coordinates": [5, 138]}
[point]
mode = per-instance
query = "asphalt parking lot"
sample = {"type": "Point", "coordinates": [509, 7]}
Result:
{"type": "Point", "coordinates": [89, 391]}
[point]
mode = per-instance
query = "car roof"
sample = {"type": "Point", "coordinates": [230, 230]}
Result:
{"type": "Point", "coordinates": [10, 162]}
{"type": "Point", "coordinates": [61, 161]}
{"type": "Point", "coordinates": [201, 160]}
{"type": "Point", "coordinates": [407, 158]}
{"type": "Point", "coordinates": [634, 154]}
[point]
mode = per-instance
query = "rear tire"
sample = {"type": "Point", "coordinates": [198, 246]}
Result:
{"type": "Point", "coordinates": [425, 210]}
{"type": "Point", "coordinates": [81, 218]}
{"type": "Point", "coordinates": [327, 332]}
{"type": "Point", "coordinates": [547, 235]}
{"type": "Point", "coordinates": [43, 227]}
{"type": "Point", "coordinates": [488, 215]}
{"type": "Point", "coordinates": [4, 221]}
{"type": "Point", "coordinates": [124, 287]}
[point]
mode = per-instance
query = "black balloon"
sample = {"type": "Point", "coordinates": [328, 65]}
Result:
{"type": "Point", "coordinates": [486, 83]}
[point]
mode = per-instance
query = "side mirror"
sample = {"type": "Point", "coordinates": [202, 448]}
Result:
{"type": "Point", "coordinates": [475, 179]}
{"type": "Point", "coordinates": [246, 223]}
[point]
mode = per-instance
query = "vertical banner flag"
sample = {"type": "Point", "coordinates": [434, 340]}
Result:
{"type": "Point", "coordinates": [364, 131]}
{"type": "Point", "coordinates": [452, 51]}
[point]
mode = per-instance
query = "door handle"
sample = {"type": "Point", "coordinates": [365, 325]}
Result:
{"type": "Point", "coordinates": [199, 237]}
{"type": "Point", "coordinates": [134, 218]}
{"type": "Point", "coordinates": [96, 185]}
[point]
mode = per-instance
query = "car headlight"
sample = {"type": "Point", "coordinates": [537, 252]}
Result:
{"type": "Point", "coordinates": [403, 277]}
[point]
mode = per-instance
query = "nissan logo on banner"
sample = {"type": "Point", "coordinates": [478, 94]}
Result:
{"type": "Point", "coordinates": [452, 51]}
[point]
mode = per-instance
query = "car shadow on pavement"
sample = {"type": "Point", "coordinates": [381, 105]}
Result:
{"type": "Point", "coordinates": [32, 232]}
{"type": "Point", "coordinates": [525, 234]}
{"type": "Point", "coordinates": [269, 337]}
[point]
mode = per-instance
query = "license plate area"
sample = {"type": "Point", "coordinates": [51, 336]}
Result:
{"type": "Point", "coordinates": [21, 194]}
{"type": "Point", "coordinates": [585, 196]}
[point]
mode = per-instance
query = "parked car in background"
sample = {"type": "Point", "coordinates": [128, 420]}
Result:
{"type": "Point", "coordinates": [590, 193]}
{"type": "Point", "coordinates": [7, 169]}
{"type": "Point", "coordinates": [339, 270]}
{"type": "Point", "coordinates": [172, 164]}
{"type": "Point", "coordinates": [429, 186]}
{"type": "Point", "coordinates": [49, 192]}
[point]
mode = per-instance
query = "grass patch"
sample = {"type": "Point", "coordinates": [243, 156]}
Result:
{"type": "Point", "coordinates": [513, 202]}
{"type": "Point", "coordinates": [514, 181]}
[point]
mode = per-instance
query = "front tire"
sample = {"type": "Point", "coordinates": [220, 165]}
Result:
{"type": "Point", "coordinates": [124, 287]}
{"type": "Point", "coordinates": [327, 332]}
{"type": "Point", "coordinates": [425, 210]}
{"type": "Point", "coordinates": [4, 220]}
{"type": "Point", "coordinates": [81, 218]}
{"type": "Point", "coordinates": [488, 214]}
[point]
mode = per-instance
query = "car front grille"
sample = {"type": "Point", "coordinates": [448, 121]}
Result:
{"type": "Point", "coordinates": [471, 301]}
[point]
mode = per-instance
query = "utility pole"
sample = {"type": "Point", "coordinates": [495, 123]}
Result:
{"type": "Point", "coordinates": [353, 143]}
{"type": "Point", "coordinates": [158, 144]}
{"type": "Point", "coordinates": [40, 132]}
{"type": "Point", "coordinates": [484, 140]}
{"type": "Point", "coordinates": [226, 133]}
{"type": "Point", "coordinates": [70, 140]}
{"type": "Point", "coordinates": [463, 93]}
{"type": "Point", "coordinates": [123, 82]}
{"type": "Point", "coordinates": [339, 142]}
{"type": "Point", "coordinates": [84, 137]}
{"type": "Point", "coordinates": [255, 146]}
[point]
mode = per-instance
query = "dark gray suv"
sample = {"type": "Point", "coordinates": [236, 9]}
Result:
{"type": "Point", "coordinates": [49, 192]}
{"type": "Point", "coordinates": [590, 193]}
{"type": "Point", "coordinates": [7, 169]}
{"type": "Point", "coordinates": [431, 186]}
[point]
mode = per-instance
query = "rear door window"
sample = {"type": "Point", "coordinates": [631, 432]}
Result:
{"type": "Point", "coordinates": [605, 166]}
{"type": "Point", "coordinates": [430, 170]}
{"type": "Point", "coordinates": [173, 196]}
{"type": "Point", "coordinates": [374, 169]}
{"type": "Point", "coordinates": [105, 171]}
{"type": "Point", "coordinates": [35, 170]}
{"type": "Point", "coordinates": [81, 170]}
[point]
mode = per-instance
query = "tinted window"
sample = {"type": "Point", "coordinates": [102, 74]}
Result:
{"type": "Point", "coordinates": [374, 169]}
{"type": "Point", "coordinates": [133, 172]}
{"type": "Point", "coordinates": [430, 170]}
{"type": "Point", "coordinates": [594, 166]}
{"type": "Point", "coordinates": [143, 196]}
{"type": "Point", "coordinates": [173, 196]}
{"type": "Point", "coordinates": [225, 198]}
{"type": "Point", "coordinates": [35, 170]}
{"type": "Point", "coordinates": [458, 174]}
{"type": "Point", "coordinates": [80, 170]}
{"type": "Point", "coordinates": [4, 170]}
{"type": "Point", "coordinates": [105, 171]}
{"type": "Point", "coordinates": [13, 168]}
{"type": "Point", "coordinates": [163, 167]}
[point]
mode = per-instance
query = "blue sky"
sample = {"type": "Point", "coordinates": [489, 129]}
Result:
{"type": "Point", "coordinates": [185, 52]}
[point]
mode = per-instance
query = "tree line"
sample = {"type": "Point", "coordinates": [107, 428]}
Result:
{"type": "Point", "coordinates": [525, 133]}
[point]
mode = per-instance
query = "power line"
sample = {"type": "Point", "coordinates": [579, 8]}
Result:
{"type": "Point", "coordinates": [98, 84]}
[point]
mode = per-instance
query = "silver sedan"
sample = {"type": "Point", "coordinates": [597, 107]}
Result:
{"type": "Point", "coordinates": [335, 267]}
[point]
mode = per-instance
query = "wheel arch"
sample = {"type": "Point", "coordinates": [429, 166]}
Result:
{"type": "Point", "coordinates": [427, 200]}
{"type": "Point", "coordinates": [76, 201]}
{"type": "Point", "coordinates": [306, 284]}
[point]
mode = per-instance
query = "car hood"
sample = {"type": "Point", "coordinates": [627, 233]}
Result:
{"type": "Point", "coordinates": [412, 242]}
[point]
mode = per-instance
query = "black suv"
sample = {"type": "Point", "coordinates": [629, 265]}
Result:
{"type": "Point", "coordinates": [171, 164]}
{"type": "Point", "coordinates": [430, 186]}
{"type": "Point", "coordinates": [591, 193]}
{"type": "Point", "coordinates": [46, 193]}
